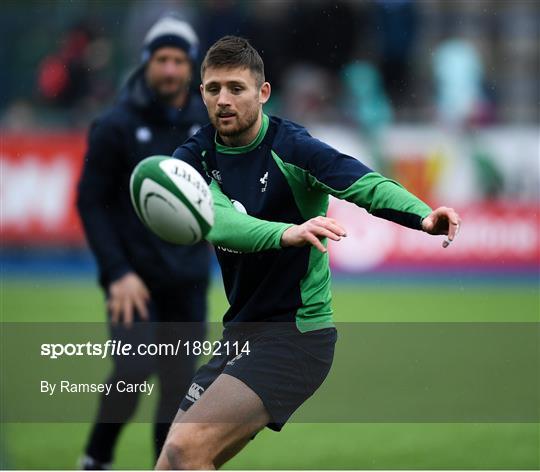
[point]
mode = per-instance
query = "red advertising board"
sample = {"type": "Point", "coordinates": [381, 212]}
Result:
{"type": "Point", "coordinates": [503, 236]}
{"type": "Point", "coordinates": [39, 173]}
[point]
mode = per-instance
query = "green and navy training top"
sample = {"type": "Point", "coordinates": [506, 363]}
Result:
{"type": "Point", "coordinates": [284, 177]}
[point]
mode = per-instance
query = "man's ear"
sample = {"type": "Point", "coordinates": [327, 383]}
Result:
{"type": "Point", "coordinates": [264, 93]}
{"type": "Point", "coordinates": [201, 88]}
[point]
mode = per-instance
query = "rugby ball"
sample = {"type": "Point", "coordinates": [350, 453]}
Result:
{"type": "Point", "coordinates": [172, 199]}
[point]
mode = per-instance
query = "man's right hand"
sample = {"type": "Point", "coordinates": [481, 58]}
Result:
{"type": "Point", "coordinates": [311, 232]}
{"type": "Point", "coordinates": [127, 294]}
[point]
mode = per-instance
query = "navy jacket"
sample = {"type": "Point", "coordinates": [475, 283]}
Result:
{"type": "Point", "coordinates": [136, 127]}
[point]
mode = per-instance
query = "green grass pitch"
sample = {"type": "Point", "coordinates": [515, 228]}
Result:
{"type": "Point", "coordinates": [300, 446]}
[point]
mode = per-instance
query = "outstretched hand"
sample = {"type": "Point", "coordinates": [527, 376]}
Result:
{"type": "Point", "coordinates": [311, 232]}
{"type": "Point", "coordinates": [443, 220]}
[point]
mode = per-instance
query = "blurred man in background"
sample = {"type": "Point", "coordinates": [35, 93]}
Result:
{"type": "Point", "coordinates": [144, 278]}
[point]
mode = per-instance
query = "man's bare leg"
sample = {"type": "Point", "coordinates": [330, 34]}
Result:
{"type": "Point", "coordinates": [163, 462]}
{"type": "Point", "coordinates": [215, 428]}
{"type": "Point", "coordinates": [226, 455]}
{"type": "Point", "coordinates": [229, 453]}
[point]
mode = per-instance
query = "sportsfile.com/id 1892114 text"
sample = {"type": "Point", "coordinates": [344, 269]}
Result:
{"type": "Point", "coordinates": [120, 348]}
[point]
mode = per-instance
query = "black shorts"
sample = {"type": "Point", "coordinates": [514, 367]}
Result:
{"type": "Point", "coordinates": [284, 367]}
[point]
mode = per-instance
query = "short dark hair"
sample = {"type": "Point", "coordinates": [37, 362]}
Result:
{"type": "Point", "coordinates": [233, 51]}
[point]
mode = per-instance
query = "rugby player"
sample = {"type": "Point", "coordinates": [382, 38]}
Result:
{"type": "Point", "coordinates": [271, 183]}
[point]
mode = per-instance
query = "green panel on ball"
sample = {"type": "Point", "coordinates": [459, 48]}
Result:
{"type": "Point", "coordinates": [144, 169]}
{"type": "Point", "coordinates": [150, 168]}
{"type": "Point", "coordinates": [165, 181]}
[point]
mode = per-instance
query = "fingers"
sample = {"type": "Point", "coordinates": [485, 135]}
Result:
{"type": "Point", "coordinates": [331, 225]}
{"type": "Point", "coordinates": [145, 293]}
{"type": "Point", "coordinates": [312, 231]}
{"type": "Point", "coordinates": [453, 225]}
{"type": "Point", "coordinates": [123, 308]}
{"type": "Point", "coordinates": [140, 305]}
{"type": "Point", "coordinates": [128, 312]}
{"type": "Point", "coordinates": [322, 232]}
{"type": "Point", "coordinates": [314, 241]}
{"type": "Point", "coordinates": [427, 224]}
{"type": "Point", "coordinates": [114, 308]}
{"type": "Point", "coordinates": [126, 295]}
{"type": "Point", "coordinates": [322, 227]}
{"type": "Point", "coordinates": [452, 233]}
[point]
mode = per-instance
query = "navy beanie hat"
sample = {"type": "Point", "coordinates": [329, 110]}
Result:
{"type": "Point", "coordinates": [170, 31]}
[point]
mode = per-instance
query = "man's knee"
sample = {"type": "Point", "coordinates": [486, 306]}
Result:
{"type": "Point", "coordinates": [189, 447]}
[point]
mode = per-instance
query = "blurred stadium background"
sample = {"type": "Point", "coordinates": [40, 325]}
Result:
{"type": "Point", "coordinates": [441, 95]}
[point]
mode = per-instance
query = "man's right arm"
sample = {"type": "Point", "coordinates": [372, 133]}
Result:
{"type": "Point", "coordinates": [232, 229]}
{"type": "Point", "coordinates": [97, 187]}
{"type": "Point", "coordinates": [241, 232]}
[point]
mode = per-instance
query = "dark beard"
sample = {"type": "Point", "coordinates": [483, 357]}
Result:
{"type": "Point", "coordinates": [168, 98]}
{"type": "Point", "coordinates": [246, 124]}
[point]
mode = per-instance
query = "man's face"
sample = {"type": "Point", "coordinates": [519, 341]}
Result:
{"type": "Point", "coordinates": [233, 99]}
{"type": "Point", "coordinates": [168, 72]}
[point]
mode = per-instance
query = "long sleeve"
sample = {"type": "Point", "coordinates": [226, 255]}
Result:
{"type": "Point", "coordinates": [95, 190]}
{"type": "Point", "coordinates": [241, 232]}
{"type": "Point", "coordinates": [232, 229]}
{"type": "Point", "coordinates": [382, 197]}
{"type": "Point", "coordinates": [326, 170]}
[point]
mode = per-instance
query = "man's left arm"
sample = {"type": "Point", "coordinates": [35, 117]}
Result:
{"type": "Point", "coordinates": [347, 178]}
